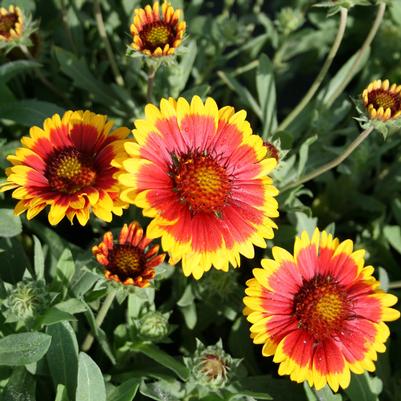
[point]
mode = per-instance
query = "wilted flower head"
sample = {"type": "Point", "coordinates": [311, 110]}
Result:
{"type": "Point", "coordinates": [211, 366]}
{"type": "Point", "coordinates": [26, 300]}
{"type": "Point", "coordinates": [132, 260]}
{"type": "Point", "coordinates": [157, 34]}
{"type": "Point", "coordinates": [153, 326]}
{"type": "Point", "coordinates": [382, 100]}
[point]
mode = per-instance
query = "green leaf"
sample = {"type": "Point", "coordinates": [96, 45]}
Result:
{"type": "Point", "coordinates": [24, 348]}
{"type": "Point", "coordinates": [39, 258]}
{"type": "Point", "coordinates": [161, 357]}
{"type": "Point", "coordinates": [72, 306]}
{"type": "Point", "coordinates": [364, 388]}
{"type": "Point", "coordinates": [20, 387]}
{"type": "Point", "coordinates": [10, 225]}
{"type": "Point", "coordinates": [62, 356]}
{"type": "Point", "coordinates": [182, 73]}
{"type": "Point", "coordinates": [52, 316]}
{"type": "Point", "coordinates": [9, 70]}
{"type": "Point", "coordinates": [28, 112]}
{"type": "Point", "coordinates": [324, 394]}
{"type": "Point", "coordinates": [266, 89]}
{"type": "Point", "coordinates": [125, 391]}
{"type": "Point", "coordinates": [65, 267]}
{"type": "Point", "coordinates": [91, 385]}
{"type": "Point", "coordinates": [393, 236]}
{"type": "Point", "coordinates": [83, 78]}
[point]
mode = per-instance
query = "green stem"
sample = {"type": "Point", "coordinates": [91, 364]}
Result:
{"type": "Point", "coordinates": [360, 55]}
{"type": "Point", "coordinates": [394, 284]}
{"type": "Point", "coordinates": [151, 79]}
{"type": "Point", "coordinates": [41, 77]}
{"type": "Point", "coordinates": [87, 344]}
{"type": "Point", "coordinates": [331, 164]}
{"type": "Point", "coordinates": [103, 34]}
{"type": "Point", "coordinates": [322, 74]}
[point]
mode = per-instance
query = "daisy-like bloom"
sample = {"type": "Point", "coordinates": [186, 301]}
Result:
{"type": "Point", "coordinates": [157, 34]}
{"type": "Point", "coordinates": [382, 100]}
{"type": "Point", "coordinates": [201, 174]}
{"type": "Point", "coordinates": [132, 260]}
{"type": "Point", "coordinates": [66, 165]}
{"type": "Point", "coordinates": [11, 23]}
{"type": "Point", "coordinates": [320, 312]}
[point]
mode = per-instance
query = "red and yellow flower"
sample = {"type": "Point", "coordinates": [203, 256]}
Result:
{"type": "Point", "coordinates": [11, 23]}
{"type": "Point", "coordinates": [157, 34]}
{"type": "Point", "coordinates": [320, 311]}
{"type": "Point", "coordinates": [382, 100]}
{"type": "Point", "coordinates": [132, 260]}
{"type": "Point", "coordinates": [66, 165]}
{"type": "Point", "coordinates": [201, 174]}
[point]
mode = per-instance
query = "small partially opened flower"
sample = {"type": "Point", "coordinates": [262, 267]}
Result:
{"type": "Point", "coordinates": [11, 23]}
{"type": "Point", "coordinates": [320, 312]}
{"type": "Point", "coordinates": [157, 32]}
{"type": "Point", "coordinates": [382, 100]}
{"type": "Point", "coordinates": [66, 165]}
{"type": "Point", "coordinates": [202, 175]}
{"type": "Point", "coordinates": [130, 261]}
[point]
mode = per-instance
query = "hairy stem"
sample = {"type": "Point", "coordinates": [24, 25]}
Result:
{"type": "Point", "coordinates": [322, 74]}
{"type": "Point", "coordinates": [331, 164]}
{"type": "Point", "coordinates": [360, 55]}
{"type": "Point", "coordinates": [151, 79]}
{"type": "Point", "coordinates": [394, 284]}
{"type": "Point", "coordinates": [102, 32]}
{"type": "Point", "coordinates": [87, 344]}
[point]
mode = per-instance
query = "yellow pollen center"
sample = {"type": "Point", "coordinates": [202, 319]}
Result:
{"type": "Point", "coordinates": [321, 306]}
{"type": "Point", "coordinates": [68, 171]}
{"type": "Point", "coordinates": [384, 100]}
{"type": "Point", "coordinates": [158, 35]}
{"type": "Point", "coordinates": [201, 183]}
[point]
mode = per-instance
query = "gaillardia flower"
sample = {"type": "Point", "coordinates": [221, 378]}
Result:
{"type": "Point", "coordinates": [320, 312]}
{"type": "Point", "coordinates": [132, 260]}
{"type": "Point", "coordinates": [66, 165]}
{"type": "Point", "coordinates": [157, 34]}
{"type": "Point", "coordinates": [382, 100]}
{"type": "Point", "coordinates": [11, 23]}
{"type": "Point", "coordinates": [201, 174]}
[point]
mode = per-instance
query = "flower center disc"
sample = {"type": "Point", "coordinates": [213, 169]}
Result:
{"type": "Point", "coordinates": [321, 306]}
{"type": "Point", "coordinates": [125, 260]}
{"type": "Point", "coordinates": [201, 183]}
{"type": "Point", "coordinates": [157, 34]}
{"type": "Point", "coordinates": [7, 22]}
{"type": "Point", "coordinates": [382, 98]}
{"type": "Point", "coordinates": [69, 170]}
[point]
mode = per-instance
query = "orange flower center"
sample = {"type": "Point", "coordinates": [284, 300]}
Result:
{"type": "Point", "coordinates": [321, 306]}
{"type": "Point", "coordinates": [383, 98]}
{"type": "Point", "coordinates": [201, 182]}
{"type": "Point", "coordinates": [69, 170]}
{"type": "Point", "coordinates": [7, 22]}
{"type": "Point", "coordinates": [157, 34]}
{"type": "Point", "coordinates": [126, 261]}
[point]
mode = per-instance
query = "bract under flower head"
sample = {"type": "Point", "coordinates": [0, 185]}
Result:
{"type": "Point", "coordinates": [320, 312]}
{"type": "Point", "coordinates": [132, 260]}
{"type": "Point", "coordinates": [156, 32]}
{"type": "Point", "coordinates": [66, 165]}
{"type": "Point", "coordinates": [202, 176]}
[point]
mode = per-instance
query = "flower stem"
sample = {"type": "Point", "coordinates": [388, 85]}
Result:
{"type": "Point", "coordinates": [331, 164]}
{"type": "Point", "coordinates": [322, 74]}
{"type": "Point", "coordinates": [103, 34]}
{"type": "Point", "coordinates": [360, 55]}
{"type": "Point", "coordinates": [41, 77]}
{"type": "Point", "coordinates": [87, 344]}
{"type": "Point", "coordinates": [394, 284]}
{"type": "Point", "coordinates": [151, 79]}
